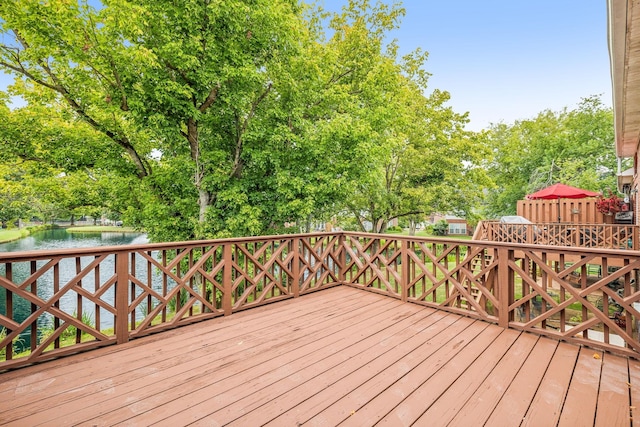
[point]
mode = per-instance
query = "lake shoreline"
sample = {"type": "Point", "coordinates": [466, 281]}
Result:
{"type": "Point", "coordinates": [13, 234]}
{"type": "Point", "coordinates": [101, 229]}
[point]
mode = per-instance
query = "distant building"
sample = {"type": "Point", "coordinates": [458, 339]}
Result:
{"type": "Point", "coordinates": [457, 226]}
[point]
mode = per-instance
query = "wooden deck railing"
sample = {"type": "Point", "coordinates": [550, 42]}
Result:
{"type": "Point", "coordinates": [610, 236]}
{"type": "Point", "coordinates": [115, 294]}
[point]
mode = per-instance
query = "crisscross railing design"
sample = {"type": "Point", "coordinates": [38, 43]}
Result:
{"type": "Point", "coordinates": [320, 261]}
{"type": "Point", "coordinates": [566, 300]}
{"type": "Point", "coordinates": [119, 293]}
{"type": "Point", "coordinates": [453, 275]}
{"type": "Point", "coordinates": [583, 295]}
{"type": "Point", "coordinates": [609, 236]}
{"type": "Point", "coordinates": [36, 287]}
{"type": "Point", "coordinates": [374, 264]}
{"type": "Point", "coordinates": [57, 303]}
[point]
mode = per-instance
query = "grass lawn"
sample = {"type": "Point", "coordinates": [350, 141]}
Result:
{"type": "Point", "coordinates": [423, 233]}
{"type": "Point", "coordinates": [11, 234]}
{"type": "Point", "coordinates": [101, 228]}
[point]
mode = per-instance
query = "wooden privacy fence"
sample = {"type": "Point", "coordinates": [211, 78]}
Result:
{"type": "Point", "coordinates": [574, 211]}
{"type": "Point", "coordinates": [115, 294]}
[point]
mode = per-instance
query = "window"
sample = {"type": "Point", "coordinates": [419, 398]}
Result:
{"type": "Point", "coordinates": [457, 228]}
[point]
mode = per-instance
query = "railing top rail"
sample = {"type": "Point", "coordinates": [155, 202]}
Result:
{"type": "Point", "coordinates": [47, 254]}
{"type": "Point", "coordinates": [487, 243]}
{"type": "Point", "coordinates": [99, 250]}
{"type": "Point", "coordinates": [568, 224]}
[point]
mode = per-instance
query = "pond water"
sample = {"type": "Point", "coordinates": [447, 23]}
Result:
{"type": "Point", "coordinates": [61, 239]}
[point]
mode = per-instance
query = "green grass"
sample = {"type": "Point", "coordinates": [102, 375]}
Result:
{"type": "Point", "coordinates": [9, 235]}
{"type": "Point", "coordinates": [101, 228]}
{"type": "Point", "coordinates": [423, 233]}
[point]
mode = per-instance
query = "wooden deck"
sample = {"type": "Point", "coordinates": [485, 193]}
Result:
{"type": "Point", "coordinates": [340, 356]}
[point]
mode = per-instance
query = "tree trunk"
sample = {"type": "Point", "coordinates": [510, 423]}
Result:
{"type": "Point", "coordinates": [381, 225]}
{"type": "Point", "coordinates": [412, 227]}
{"type": "Point", "coordinates": [307, 225]}
{"type": "Point", "coordinates": [73, 220]}
{"type": "Point", "coordinates": [204, 198]}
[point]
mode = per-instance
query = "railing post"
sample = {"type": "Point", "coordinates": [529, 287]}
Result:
{"type": "Point", "coordinates": [342, 274]}
{"type": "Point", "coordinates": [227, 285]}
{"type": "Point", "coordinates": [295, 268]}
{"type": "Point", "coordinates": [121, 323]}
{"type": "Point", "coordinates": [503, 287]}
{"type": "Point", "coordinates": [404, 270]}
{"type": "Point", "coordinates": [530, 235]}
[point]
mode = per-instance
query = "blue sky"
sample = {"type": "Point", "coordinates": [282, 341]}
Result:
{"type": "Point", "coordinates": [505, 60]}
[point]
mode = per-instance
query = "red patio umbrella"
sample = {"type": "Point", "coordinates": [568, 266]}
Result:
{"type": "Point", "coordinates": [561, 191]}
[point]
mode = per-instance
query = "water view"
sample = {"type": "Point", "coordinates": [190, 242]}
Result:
{"type": "Point", "coordinates": [59, 238]}
{"type": "Point", "coordinates": [54, 240]}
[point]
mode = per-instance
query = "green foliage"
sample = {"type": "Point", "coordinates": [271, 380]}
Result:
{"type": "Point", "coordinates": [178, 301]}
{"type": "Point", "coordinates": [71, 331]}
{"type": "Point", "coordinates": [440, 228]}
{"type": "Point", "coordinates": [17, 343]}
{"type": "Point", "coordinates": [575, 147]}
{"type": "Point", "coordinates": [213, 119]}
{"type": "Point", "coordinates": [412, 153]}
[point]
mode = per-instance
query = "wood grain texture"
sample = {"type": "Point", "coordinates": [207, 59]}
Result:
{"type": "Point", "coordinates": [340, 356]}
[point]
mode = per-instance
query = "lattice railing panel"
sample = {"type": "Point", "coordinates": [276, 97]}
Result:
{"type": "Point", "coordinates": [170, 287]}
{"type": "Point", "coordinates": [374, 263]}
{"type": "Point", "coordinates": [453, 275]}
{"type": "Point", "coordinates": [52, 303]}
{"type": "Point", "coordinates": [512, 233]}
{"type": "Point", "coordinates": [609, 236]}
{"type": "Point", "coordinates": [261, 271]}
{"type": "Point", "coordinates": [592, 298]}
{"type": "Point", "coordinates": [320, 261]}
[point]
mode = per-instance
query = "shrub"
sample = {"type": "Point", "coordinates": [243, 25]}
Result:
{"type": "Point", "coordinates": [440, 228]}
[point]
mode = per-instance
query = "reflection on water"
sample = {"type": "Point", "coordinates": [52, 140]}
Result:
{"type": "Point", "coordinates": [68, 268]}
{"type": "Point", "coordinates": [60, 239]}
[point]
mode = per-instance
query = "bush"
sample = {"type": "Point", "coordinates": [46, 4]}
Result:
{"type": "Point", "coordinates": [394, 229]}
{"type": "Point", "coordinates": [440, 228]}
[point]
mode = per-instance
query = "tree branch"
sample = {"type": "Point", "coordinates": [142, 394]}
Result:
{"type": "Point", "coordinates": [57, 86]}
{"type": "Point", "coordinates": [406, 214]}
{"type": "Point", "coordinates": [243, 129]}
{"type": "Point", "coordinates": [211, 98]}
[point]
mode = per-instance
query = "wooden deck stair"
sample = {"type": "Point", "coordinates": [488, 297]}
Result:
{"type": "Point", "coordinates": [478, 263]}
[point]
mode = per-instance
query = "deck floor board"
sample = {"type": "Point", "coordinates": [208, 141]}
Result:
{"type": "Point", "coordinates": [583, 390]}
{"type": "Point", "coordinates": [547, 403]}
{"type": "Point", "coordinates": [338, 356]}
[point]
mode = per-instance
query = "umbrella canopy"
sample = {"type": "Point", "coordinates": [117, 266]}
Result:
{"type": "Point", "coordinates": [561, 191]}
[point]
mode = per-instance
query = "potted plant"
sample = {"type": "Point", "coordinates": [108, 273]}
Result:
{"type": "Point", "coordinates": [609, 205]}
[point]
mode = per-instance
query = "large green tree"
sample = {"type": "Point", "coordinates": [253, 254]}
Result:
{"type": "Point", "coordinates": [414, 156]}
{"type": "Point", "coordinates": [53, 164]}
{"type": "Point", "coordinates": [575, 147]}
{"type": "Point", "coordinates": [183, 79]}
{"type": "Point", "coordinates": [217, 118]}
